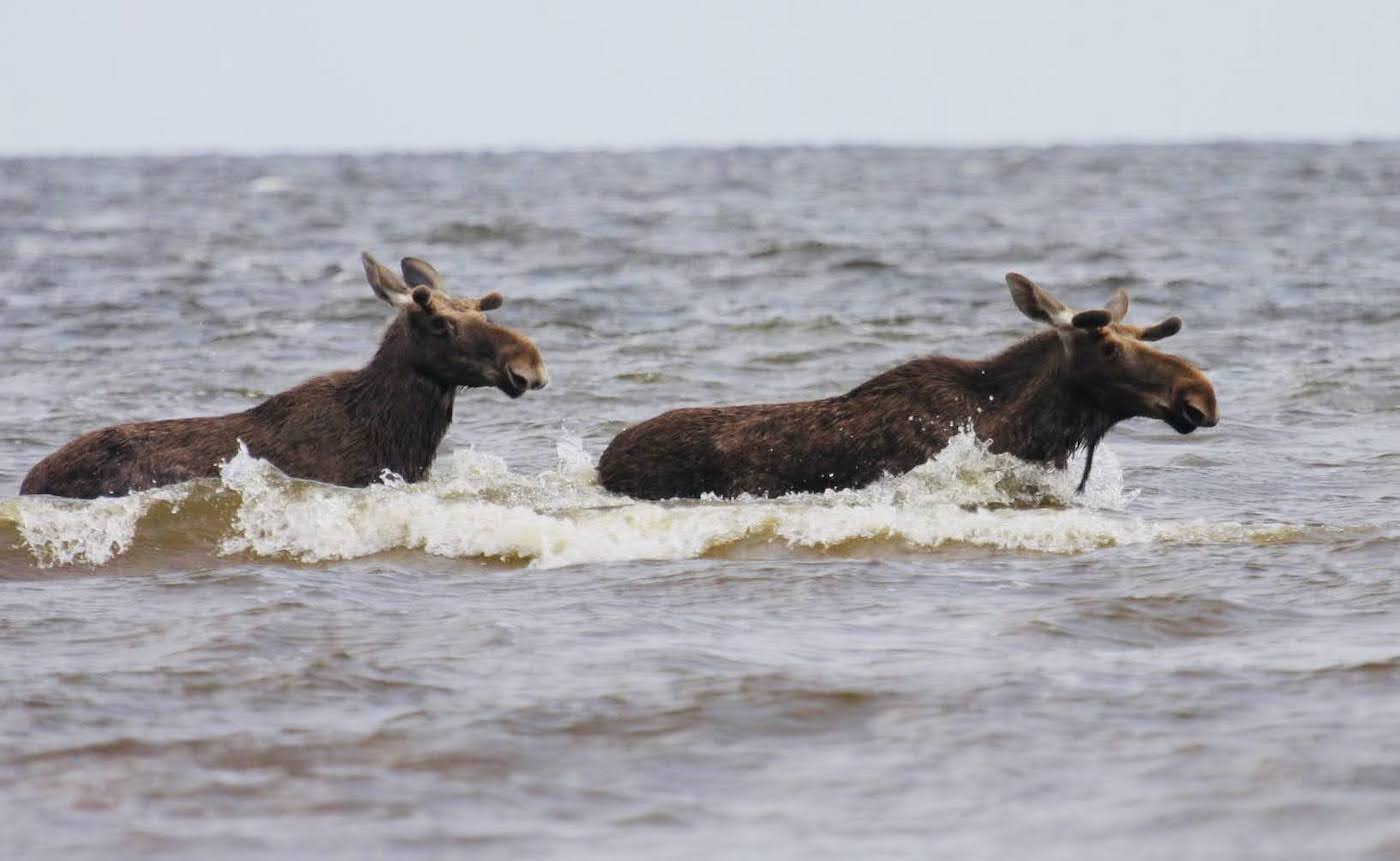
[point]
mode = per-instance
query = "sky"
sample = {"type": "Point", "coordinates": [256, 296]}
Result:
{"type": "Point", "coordinates": [125, 76]}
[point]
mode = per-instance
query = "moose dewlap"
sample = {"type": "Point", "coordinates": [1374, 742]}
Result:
{"type": "Point", "coordinates": [1041, 399]}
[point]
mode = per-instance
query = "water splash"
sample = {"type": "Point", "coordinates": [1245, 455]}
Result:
{"type": "Point", "coordinates": [475, 506]}
{"type": "Point", "coordinates": [88, 532]}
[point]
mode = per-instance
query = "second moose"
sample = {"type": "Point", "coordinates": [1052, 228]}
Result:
{"type": "Point", "coordinates": [1043, 398]}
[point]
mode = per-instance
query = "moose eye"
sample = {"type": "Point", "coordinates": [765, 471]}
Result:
{"type": "Point", "coordinates": [1108, 350]}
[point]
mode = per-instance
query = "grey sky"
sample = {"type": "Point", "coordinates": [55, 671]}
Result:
{"type": "Point", "coordinates": [163, 75]}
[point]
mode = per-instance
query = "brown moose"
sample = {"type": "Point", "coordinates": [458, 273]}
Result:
{"type": "Point", "coordinates": [1040, 400]}
{"type": "Point", "coordinates": [345, 427]}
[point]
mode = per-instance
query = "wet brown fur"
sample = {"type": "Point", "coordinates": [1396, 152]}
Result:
{"type": "Point", "coordinates": [345, 427]}
{"type": "Point", "coordinates": [1041, 399]}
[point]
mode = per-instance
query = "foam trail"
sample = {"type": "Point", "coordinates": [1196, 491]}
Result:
{"type": "Point", "coordinates": [89, 532]}
{"type": "Point", "coordinates": [475, 506]}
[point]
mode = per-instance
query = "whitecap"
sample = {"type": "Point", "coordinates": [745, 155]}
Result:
{"type": "Point", "coordinates": [85, 531]}
{"type": "Point", "coordinates": [475, 506]}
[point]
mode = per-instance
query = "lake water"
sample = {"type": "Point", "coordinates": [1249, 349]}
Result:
{"type": "Point", "coordinates": [1198, 657]}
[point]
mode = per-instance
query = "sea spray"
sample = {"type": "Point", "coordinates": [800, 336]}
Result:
{"type": "Point", "coordinates": [475, 506]}
{"type": "Point", "coordinates": [86, 531]}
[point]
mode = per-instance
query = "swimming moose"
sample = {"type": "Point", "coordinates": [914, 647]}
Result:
{"type": "Point", "coordinates": [345, 427]}
{"type": "Point", "coordinates": [1040, 400]}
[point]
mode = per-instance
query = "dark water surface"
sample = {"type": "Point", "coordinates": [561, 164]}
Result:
{"type": "Point", "coordinates": [1197, 658]}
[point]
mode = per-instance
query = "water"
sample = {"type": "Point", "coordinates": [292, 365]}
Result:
{"type": "Point", "coordinates": [1197, 656]}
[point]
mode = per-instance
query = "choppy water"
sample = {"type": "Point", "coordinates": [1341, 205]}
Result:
{"type": "Point", "coordinates": [1198, 656]}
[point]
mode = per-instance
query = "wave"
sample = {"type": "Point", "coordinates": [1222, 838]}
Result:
{"type": "Point", "coordinates": [799, 248]}
{"type": "Point", "coordinates": [479, 232]}
{"type": "Point", "coordinates": [475, 506]}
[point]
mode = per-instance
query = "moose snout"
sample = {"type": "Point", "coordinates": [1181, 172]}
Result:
{"type": "Point", "coordinates": [534, 376]}
{"type": "Point", "coordinates": [519, 367]}
{"type": "Point", "coordinates": [521, 374]}
{"type": "Point", "coordinates": [1198, 416]}
{"type": "Point", "coordinates": [1194, 408]}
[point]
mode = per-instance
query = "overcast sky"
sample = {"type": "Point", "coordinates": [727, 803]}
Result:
{"type": "Point", "coordinates": [182, 75]}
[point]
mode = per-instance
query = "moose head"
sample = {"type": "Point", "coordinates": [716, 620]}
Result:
{"type": "Point", "coordinates": [1112, 364]}
{"type": "Point", "coordinates": [450, 340]}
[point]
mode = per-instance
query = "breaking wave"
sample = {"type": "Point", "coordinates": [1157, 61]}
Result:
{"type": "Point", "coordinates": [475, 506]}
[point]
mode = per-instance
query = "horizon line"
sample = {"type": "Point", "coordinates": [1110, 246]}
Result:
{"type": "Point", "coordinates": [526, 148]}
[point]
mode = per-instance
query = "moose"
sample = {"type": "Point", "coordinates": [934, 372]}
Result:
{"type": "Point", "coordinates": [345, 427]}
{"type": "Point", "coordinates": [1041, 399]}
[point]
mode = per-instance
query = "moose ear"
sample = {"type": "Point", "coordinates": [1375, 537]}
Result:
{"type": "Point", "coordinates": [490, 302]}
{"type": "Point", "coordinates": [1035, 302]}
{"type": "Point", "coordinates": [1094, 318]}
{"type": "Point", "coordinates": [386, 285]}
{"type": "Point", "coordinates": [420, 273]}
{"type": "Point", "coordinates": [1164, 329]}
{"type": "Point", "coordinates": [1118, 305]}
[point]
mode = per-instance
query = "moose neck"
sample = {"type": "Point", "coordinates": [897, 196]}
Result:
{"type": "Point", "coordinates": [403, 411]}
{"type": "Point", "coordinates": [1033, 407]}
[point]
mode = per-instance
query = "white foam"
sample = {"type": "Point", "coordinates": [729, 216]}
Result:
{"type": "Point", "coordinates": [270, 184]}
{"type": "Point", "coordinates": [85, 532]}
{"type": "Point", "coordinates": [475, 506]}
